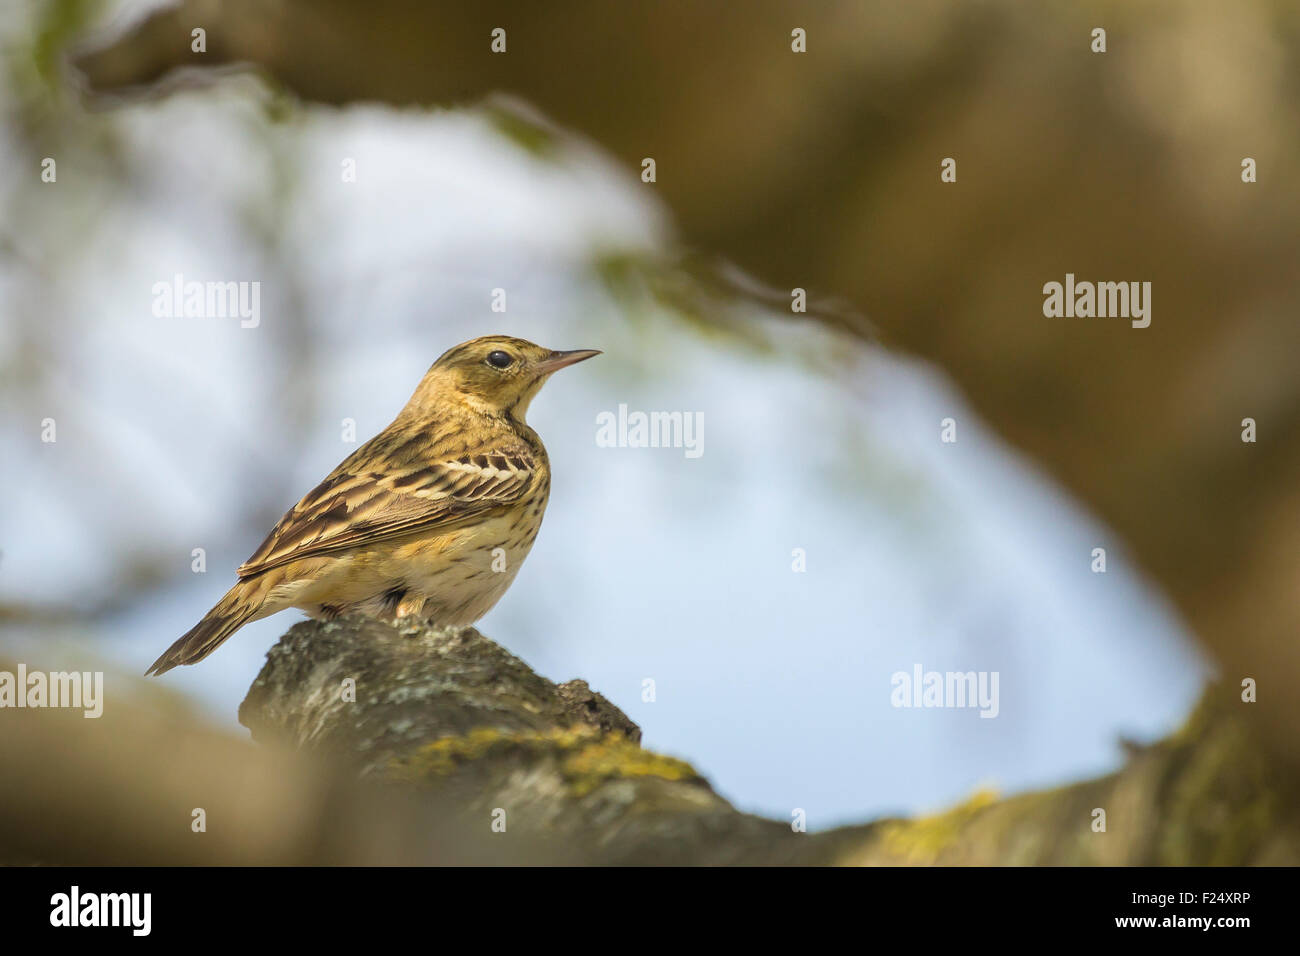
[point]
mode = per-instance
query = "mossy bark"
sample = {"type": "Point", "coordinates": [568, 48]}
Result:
{"type": "Point", "coordinates": [451, 714]}
{"type": "Point", "coordinates": [454, 714]}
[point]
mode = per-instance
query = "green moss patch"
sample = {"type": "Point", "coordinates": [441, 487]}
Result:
{"type": "Point", "coordinates": [584, 758]}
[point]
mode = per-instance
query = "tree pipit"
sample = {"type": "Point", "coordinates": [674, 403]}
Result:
{"type": "Point", "coordinates": [429, 519]}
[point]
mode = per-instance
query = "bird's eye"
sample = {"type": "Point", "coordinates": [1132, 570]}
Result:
{"type": "Point", "coordinates": [499, 359]}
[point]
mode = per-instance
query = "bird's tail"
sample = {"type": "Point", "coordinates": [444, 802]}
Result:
{"type": "Point", "coordinates": [231, 613]}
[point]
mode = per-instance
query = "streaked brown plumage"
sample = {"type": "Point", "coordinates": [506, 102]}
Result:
{"type": "Point", "coordinates": [409, 524]}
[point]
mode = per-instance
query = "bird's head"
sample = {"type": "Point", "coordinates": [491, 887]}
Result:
{"type": "Point", "coordinates": [494, 374]}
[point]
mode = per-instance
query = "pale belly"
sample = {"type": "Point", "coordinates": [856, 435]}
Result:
{"type": "Point", "coordinates": [451, 579]}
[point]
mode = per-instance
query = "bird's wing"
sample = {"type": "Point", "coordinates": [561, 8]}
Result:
{"type": "Point", "coordinates": [355, 506]}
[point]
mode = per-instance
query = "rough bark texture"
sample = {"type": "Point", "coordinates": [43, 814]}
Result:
{"type": "Point", "coordinates": [452, 713]}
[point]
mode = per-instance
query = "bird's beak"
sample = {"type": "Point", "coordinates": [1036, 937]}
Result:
{"type": "Point", "coordinates": [558, 360]}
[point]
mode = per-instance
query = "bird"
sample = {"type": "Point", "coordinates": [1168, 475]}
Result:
{"type": "Point", "coordinates": [430, 519]}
